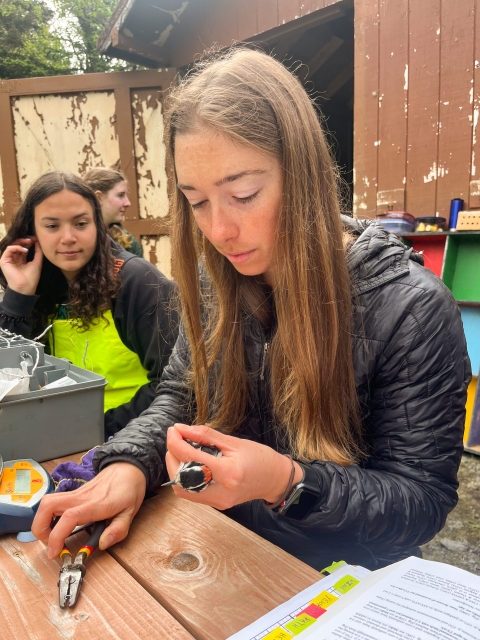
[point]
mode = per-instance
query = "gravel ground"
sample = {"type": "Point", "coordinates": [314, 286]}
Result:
{"type": "Point", "coordinates": [459, 541]}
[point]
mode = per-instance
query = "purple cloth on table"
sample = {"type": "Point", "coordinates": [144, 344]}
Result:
{"type": "Point", "coordinates": [70, 475]}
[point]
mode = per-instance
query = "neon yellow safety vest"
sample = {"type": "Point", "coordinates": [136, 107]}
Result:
{"type": "Point", "coordinates": [104, 354]}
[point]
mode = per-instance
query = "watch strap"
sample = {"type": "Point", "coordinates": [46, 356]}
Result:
{"type": "Point", "coordinates": [286, 493]}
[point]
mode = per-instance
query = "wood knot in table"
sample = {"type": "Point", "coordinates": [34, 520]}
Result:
{"type": "Point", "coordinates": [81, 616]}
{"type": "Point", "coordinates": [185, 562]}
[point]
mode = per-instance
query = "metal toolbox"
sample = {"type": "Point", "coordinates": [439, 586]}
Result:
{"type": "Point", "coordinates": [43, 424]}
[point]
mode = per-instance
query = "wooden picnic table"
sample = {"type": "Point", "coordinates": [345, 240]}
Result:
{"type": "Point", "coordinates": [185, 570]}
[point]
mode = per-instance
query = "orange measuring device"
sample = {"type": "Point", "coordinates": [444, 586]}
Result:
{"type": "Point", "coordinates": [23, 483]}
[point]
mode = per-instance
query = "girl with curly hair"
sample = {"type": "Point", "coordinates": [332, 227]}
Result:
{"type": "Point", "coordinates": [110, 311]}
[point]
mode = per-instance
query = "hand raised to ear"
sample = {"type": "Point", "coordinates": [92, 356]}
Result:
{"type": "Point", "coordinates": [22, 276]}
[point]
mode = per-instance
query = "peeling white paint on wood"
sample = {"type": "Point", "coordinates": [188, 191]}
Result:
{"type": "Point", "coordinates": [476, 112]}
{"type": "Point", "coordinates": [432, 175]}
{"type": "Point", "coordinates": [161, 248]}
{"type": "Point", "coordinates": [405, 86]}
{"type": "Point", "coordinates": [150, 155]}
{"type": "Point", "coordinates": [391, 200]}
{"type": "Point", "coordinates": [163, 37]}
{"type": "Point", "coordinates": [68, 132]}
{"type": "Point", "coordinates": [435, 173]}
{"type": "Point", "coordinates": [357, 204]}
{"type": "Point", "coordinates": [174, 14]}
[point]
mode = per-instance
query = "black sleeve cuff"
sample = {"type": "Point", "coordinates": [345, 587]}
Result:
{"type": "Point", "coordinates": [102, 464]}
{"type": "Point", "coordinates": [17, 305]}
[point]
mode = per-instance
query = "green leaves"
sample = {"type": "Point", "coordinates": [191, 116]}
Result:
{"type": "Point", "coordinates": [79, 25]}
{"type": "Point", "coordinates": [41, 40]}
{"type": "Point", "coordinates": [27, 48]}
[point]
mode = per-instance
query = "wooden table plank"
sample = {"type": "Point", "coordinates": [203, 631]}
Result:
{"type": "Point", "coordinates": [111, 604]}
{"type": "Point", "coordinates": [239, 576]}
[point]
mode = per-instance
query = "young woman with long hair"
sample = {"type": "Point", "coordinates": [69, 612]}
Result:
{"type": "Point", "coordinates": [110, 187]}
{"type": "Point", "coordinates": [316, 352]}
{"type": "Point", "coordinates": [110, 311]}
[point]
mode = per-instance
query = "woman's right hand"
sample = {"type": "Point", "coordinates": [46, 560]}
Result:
{"type": "Point", "coordinates": [22, 276]}
{"type": "Point", "coordinates": [115, 494]}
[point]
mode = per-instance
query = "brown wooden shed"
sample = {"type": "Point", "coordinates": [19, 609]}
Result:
{"type": "Point", "coordinates": [398, 81]}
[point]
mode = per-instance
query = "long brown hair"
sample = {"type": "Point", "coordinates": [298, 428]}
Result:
{"type": "Point", "coordinates": [103, 179]}
{"type": "Point", "coordinates": [256, 101]}
{"type": "Point", "coordinates": [90, 293]}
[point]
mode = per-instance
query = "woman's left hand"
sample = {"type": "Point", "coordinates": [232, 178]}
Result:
{"type": "Point", "coordinates": [246, 470]}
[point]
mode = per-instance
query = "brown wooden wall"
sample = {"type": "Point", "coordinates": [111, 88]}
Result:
{"type": "Point", "coordinates": [226, 21]}
{"type": "Point", "coordinates": [417, 101]}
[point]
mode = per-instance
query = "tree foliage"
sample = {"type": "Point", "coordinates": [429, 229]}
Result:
{"type": "Point", "coordinates": [27, 47]}
{"type": "Point", "coordinates": [80, 24]}
{"type": "Point", "coordinates": [52, 37]}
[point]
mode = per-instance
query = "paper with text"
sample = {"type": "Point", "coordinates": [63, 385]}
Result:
{"type": "Point", "coordinates": [417, 600]}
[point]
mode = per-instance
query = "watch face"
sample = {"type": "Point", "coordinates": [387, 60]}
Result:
{"type": "Point", "coordinates": [300, 503]}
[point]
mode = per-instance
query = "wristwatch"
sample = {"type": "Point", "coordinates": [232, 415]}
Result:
{"type": "Point", "coordinates": [303, 496]}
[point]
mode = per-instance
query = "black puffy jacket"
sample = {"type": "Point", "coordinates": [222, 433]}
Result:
{"type": "Point", "coordinates": [411, 371]}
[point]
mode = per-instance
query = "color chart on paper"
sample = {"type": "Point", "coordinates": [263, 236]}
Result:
{"type": "Point", "coordinates": [290, 619]}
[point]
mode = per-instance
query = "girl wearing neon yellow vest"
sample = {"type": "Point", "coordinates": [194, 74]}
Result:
{"type": "Point", "coordinates": [112, 312]}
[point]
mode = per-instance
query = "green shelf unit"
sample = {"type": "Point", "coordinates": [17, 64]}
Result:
{"type": "Point", "coordinates": [455, 257]}
{"type": "Point", "coordinates": [461, 274]}
{"type": "Point", "coordinates": [432, 245]}
{"type": "Point", "coordinates": [461, 267]}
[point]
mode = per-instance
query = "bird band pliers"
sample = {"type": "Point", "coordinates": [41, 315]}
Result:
{"type": "Point", "coordinates": [72, 573]}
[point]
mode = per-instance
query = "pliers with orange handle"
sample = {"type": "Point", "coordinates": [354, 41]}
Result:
{"type": "Point", "coordinates": [72, 573]}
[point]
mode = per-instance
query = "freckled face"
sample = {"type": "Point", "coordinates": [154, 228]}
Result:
{"type": "Point", "coordinates": [235, 193]}
{"type": "Point", "coordinates": [66, 231]}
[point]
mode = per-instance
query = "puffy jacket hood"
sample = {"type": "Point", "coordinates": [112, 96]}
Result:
{"type": "Point", "coordinates": [377, 256]}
